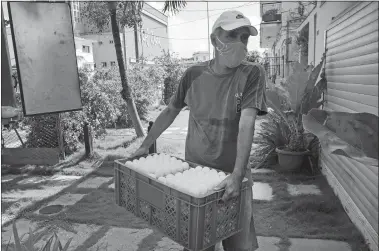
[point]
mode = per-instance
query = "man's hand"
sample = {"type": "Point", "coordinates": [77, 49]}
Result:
{"type": "Point", "coordinates": [140, 151]}
{"type": "Point", "coordinates": [232, 185]}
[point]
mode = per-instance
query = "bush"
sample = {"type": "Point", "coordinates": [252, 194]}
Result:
{"type": "Point", "coordinates": [103, 106]}
{"type": "Point", "coordinates": [173, 72]}
{"type": "Point", "coordinates": [276, 133]}
{"type": "Point", "coordinates": [143, 81]}
{"type": "Point", "coordinates": [98, 111]}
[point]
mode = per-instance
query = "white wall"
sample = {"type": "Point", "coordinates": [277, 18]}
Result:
{"type": "Point", "coordinates": [325, 13]}
{"type": "Point", "coordinates": [88, 57]}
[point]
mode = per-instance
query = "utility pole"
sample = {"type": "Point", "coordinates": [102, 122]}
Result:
{"type": "Point", "coordinates": [287, 50]}
{"type": "Point", "coordinates": [209, 42]}
{"type": "Point", "coordinates": [136, 42]}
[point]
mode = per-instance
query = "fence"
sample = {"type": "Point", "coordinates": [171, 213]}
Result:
{"type": "Point", "coordinates": [274, 67]}
{"type": "Point", "coordinates": [32, 140]}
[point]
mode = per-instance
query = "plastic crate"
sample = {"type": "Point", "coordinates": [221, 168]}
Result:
{"type": "Point", "coordinates": [195, 223]}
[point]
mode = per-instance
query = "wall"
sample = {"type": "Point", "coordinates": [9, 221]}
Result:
{"type": "Point", "coordinates": [88, 57]}
{"type": "Point", "coordinates": [352, 74]}
{"type": "Point", "coordinates": [104, 52]}
{"type": "Point", "coordinates": [154, 34]}
{"type": "Point", "coordinates": [325, 13]}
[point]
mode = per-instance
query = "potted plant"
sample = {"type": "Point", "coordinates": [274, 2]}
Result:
{"type": "Point", "coordinates": [271, 15]}
{"type": "Point", "coordinates": [290, 101]}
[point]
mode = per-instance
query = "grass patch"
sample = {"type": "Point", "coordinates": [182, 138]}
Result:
{"type": "Point", "coordinates": [304, 216]}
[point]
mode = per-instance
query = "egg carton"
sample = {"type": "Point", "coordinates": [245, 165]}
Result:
{"type": "Point", "coordinates": [196, 223]}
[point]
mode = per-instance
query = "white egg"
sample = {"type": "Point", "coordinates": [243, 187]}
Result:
{"type": "Point", "coordinates": [198, 168]}
{"type": "Point", "coordinates": [206, 169]}
{"type": "Point", "coordinates": [159, 172]}
{"type": "Point", "coordinates": [165, 170]}
{"type": "Point", "coordinates": [185, 173]}
{"type": "Point", "coordinates": [221, 174]}
{"type": "Point", "coordinates": [152, 175]}
{"type": "Point", "coordinates": [184, 166]}
{"type": "Point", "coordinates": [162, 179]}
{"type": "Point", "coordinates": [196, 191]}
{"type": "Point", "coordinates": [203, 189]}
{"type": "Point", "coordinates": [213, 172]}
{"type": "Point", "coordinates": [178, 175]}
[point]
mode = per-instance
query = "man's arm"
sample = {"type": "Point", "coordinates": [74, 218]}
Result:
{"type": "Point", "coordinates": [244, 141]}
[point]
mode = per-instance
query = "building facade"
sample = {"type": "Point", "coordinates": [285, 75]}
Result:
{"type": "Point", "coordinates": [84, 53]}
{"type": "Point", "coordinates": [147, 42]}
{"type": "Point", "coordinates": [201, 56]}
{"type": "Point", "coordinates": [349, 32]}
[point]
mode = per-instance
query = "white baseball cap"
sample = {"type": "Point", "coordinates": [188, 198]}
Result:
{"type": "Point", "coordinates": [231, 20]}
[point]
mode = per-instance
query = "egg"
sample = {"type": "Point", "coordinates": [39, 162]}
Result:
{"type": "Point", "coordinates": [221, 174]}
{"type": "Point", "coordinates": [162, 179]}
{"type": "Point", "coordinates": [185, 173]}
{"type": "Point", "coordinates": [213, 172]}
{"type": "Point", "coordinates": [206, 169]}
{"type": "Point", "coordinates": [202, 189]}
{"type": "Point", "coordinates": [152, 175]}
{"type": "Point", "coordinates": [198, 168]}
{"type": "Point", "coordinates": [185, 166]}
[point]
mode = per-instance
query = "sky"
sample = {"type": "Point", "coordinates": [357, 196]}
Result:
{"type": "Point", "coordinates": [185, 37]}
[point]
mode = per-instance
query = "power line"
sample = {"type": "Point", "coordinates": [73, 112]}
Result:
{"type": "Point", "coordinates": [177, 38]}
{"type": "Point", "coordinates": [252, 2]}
{"type": "Point", "coordinates": [202, 18]}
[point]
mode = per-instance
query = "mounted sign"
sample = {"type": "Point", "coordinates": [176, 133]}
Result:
{"type": "Point", "coordinates": [45, 55]}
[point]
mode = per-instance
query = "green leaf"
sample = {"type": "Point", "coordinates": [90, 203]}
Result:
{"type": "Point", "coordinates": [17, 240]}
{"type": "Point", "coordinates": [56, 243]}
{"type": "Point", "coordinates": [30, 241]}
{"type": "Point", "coordinates": [48, 244]}
{"type": "Point", "coordinates": [65, 248]}
{"type": "Point", "coordinates": [353, 135]}
{"type": "Point", "coordinates": [297, 84]}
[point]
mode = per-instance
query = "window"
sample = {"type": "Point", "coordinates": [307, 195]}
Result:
{"type": "Point", "coordinates": [104, 64]}
{"type": "Point", "coordinates": [113, 63]}
{"type": "Point", "coordinates": [111, 41]}
{"type": "Point", "coordinates": [86, 49]}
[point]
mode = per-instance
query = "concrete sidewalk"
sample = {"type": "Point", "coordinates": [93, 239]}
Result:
{"type": "Point", "coordinates": [129, 233]}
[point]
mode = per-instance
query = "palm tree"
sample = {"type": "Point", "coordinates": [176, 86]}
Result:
{"type": "Point", "coordinates": [123, 14]}
{"type": "Point", "coordinates": [174, 6]}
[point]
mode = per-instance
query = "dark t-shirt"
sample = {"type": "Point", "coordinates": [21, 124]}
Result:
{"type": "Point", "coordinates": [215, 103]}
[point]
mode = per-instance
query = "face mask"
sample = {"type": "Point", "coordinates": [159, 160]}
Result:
{"type": "Point", "coordinates": [232, 54]}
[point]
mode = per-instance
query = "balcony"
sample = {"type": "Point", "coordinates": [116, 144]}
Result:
{"type": "Point", "coordinates": [271, 23]}
{"type": "Point", "coordinates": [271, 12]}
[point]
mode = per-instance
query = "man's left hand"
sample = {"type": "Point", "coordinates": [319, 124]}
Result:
{"type": "Point", "coordinates": [232, 185]}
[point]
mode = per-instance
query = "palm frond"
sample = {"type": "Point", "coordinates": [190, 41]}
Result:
{"type": "Point", "coordinates": [174, 6]}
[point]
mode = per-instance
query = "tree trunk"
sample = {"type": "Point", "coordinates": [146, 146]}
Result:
{"type": "Point", "coordinates": [126, 92]}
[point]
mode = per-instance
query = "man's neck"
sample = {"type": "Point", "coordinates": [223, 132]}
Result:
{"type": "Point", "coordinates": [219, 68]}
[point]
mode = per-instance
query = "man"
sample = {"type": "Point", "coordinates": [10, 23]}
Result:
{"type": "Point", "coordinates": [224, 96]}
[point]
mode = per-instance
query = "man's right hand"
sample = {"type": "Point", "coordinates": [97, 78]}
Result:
{"type": "Point", "coordinates": [140, 151]}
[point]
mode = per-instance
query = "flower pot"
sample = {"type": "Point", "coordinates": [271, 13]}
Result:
{"type": "Point", "coordinates": [271, 17]}
{"type": "Point", "coordinates": [290, 161]}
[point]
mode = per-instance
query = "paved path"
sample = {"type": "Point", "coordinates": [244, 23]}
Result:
{"type": "Point", "coordinates": [127, 232]}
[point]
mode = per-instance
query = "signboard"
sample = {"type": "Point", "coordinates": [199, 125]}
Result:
{"type": "Point", "coordinates": [45, 55]}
